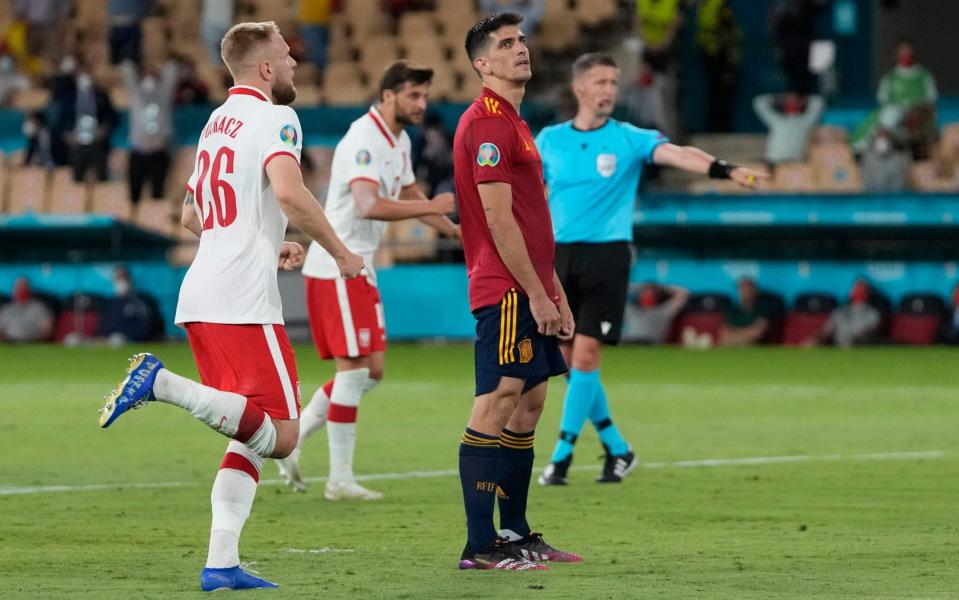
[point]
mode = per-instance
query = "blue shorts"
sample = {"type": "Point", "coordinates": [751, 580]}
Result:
{"type": "Point", "coordinates": [508, 345]}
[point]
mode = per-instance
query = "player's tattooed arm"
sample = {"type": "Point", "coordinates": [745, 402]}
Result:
{"type": "Point", "coordinates": [188, 217]}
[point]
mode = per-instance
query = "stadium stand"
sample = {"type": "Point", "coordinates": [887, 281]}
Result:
{"type": "Point", "coordinates": [918, 320]}
{"type": "Point", "coordinates": [807, 318]}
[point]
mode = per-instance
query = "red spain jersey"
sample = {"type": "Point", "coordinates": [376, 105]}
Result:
{"type": "Point", "coordinates": [493, 143]}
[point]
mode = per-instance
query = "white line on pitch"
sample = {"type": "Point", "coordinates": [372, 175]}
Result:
{"type": "Point", "coordinates": [705, 463]}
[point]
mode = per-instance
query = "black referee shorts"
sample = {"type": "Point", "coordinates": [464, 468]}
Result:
{"type": "Point", "coordinates": [508, 345]}
{"type": "Point", "coordinates": [596, 279]}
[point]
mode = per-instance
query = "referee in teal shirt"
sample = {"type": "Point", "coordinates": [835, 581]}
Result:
{"type": "Point", "coordinates": [592, 166]}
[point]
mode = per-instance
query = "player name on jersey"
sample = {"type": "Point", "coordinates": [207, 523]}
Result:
{"type": "Point", "coordinates": [223, 124]}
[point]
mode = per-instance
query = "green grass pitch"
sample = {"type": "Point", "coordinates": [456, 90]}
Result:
{"type": "Point", "coordinates": [854, 493]}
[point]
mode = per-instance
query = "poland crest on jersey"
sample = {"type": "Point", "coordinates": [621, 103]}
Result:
{"type": "Point", "coordinates": [606, 164]}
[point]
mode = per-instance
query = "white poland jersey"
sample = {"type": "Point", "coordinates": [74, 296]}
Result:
{"type": "Point", "coordinates": [233, 277]}
{"type": "Point", "coordinates": [369, 151]}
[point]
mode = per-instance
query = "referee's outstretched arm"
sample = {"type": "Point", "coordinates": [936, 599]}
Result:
{"type": "Point", "coordinates": [694, 160]}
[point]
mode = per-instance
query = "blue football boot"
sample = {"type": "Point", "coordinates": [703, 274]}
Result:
{"type": "Point", "coordinates": [232, 578]}
{"type": "Point", "coordinates": [134, 391]}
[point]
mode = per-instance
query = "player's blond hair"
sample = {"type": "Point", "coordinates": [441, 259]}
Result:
{"type": "Point", "coordinates": [241, 41]}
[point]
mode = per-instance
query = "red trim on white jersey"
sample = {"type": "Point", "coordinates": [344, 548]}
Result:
{"type": "Point", "coordinates": [190, 188]}
{"type": "Point", "coordinates": [382, 127]}
{"type": "Point", "coordinates": [364, 179]}
{"type": "Point", "coordinates": [245, 90]}
{"type": "Point", "coordinates": [275, 154]}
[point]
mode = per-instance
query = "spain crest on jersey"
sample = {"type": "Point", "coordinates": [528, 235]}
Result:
{"type": "Point", "coordinates": [488, 155]}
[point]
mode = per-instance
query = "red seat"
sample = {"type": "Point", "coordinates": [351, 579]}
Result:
{"type": "Point", "coordinates": [916, 329]}
{"type": "Point", "coordinates": [800, 326]}
{"type": "Point", "coordinates": [702, 322]}
{"type": "Point", "coordinates": [84, 322]}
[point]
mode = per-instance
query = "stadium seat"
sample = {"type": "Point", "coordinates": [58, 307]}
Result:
{"type": "Point", "coordinates": [794, 177]}
{"type": "Point", "coordinates": [28, 190]}
{"type": "Point", "coordinates": [925, 176]}
{"type": "Point", "coordinates": [417, 25]}
{"type": "Point", "coordinates": [704, 313]}
{"type": "Point", "coordinates": [66, 195]}
{"type": "Point", "coordinates": [154, 215]}
{"type": "Point", "coordinates": [318, 177]}
{"type": "Point", "coordinates": [444, 86]}
{"type": "Point", "coordinates": [559, 31]}
{"type": "Point", "coordinates": [809, 315]}
{"type": "Point", "coordinates": [424, 51]}
{"type": "Point", "coordinates": [594, 13]}
{"type": "Point", "coordinates": [365, 18]}
{"type": "Point", "coordinates": [112, 198]}
{"type": "Point", "coordinates": [918, 319]}
{"type": "Point", "coordinates": [834, 167]}
{"type": "Point", "coordinates": [375, 54]}
{"type": "Point", "coordinates": [776, 308]}
{"type": "Point", "coordinates": [80, 315]}
{"type": "Point", "coordinates": [829, 134]}
{"type": "Point", "coordinates": [31, 99]}
{"type": "Point", "coordinates": [411, 241]}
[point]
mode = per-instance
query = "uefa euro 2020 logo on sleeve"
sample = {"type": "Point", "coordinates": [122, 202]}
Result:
{"type": "Point", "coordinates": [288, 135]}
{"type": "Point", "coordinates": [488, 155]}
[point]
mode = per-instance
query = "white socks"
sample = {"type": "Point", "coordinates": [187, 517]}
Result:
{"type": "Point", "coordinates": [348, 388]}
{"type": "Point", "coordinates": [228, 413]}
{"type": "Point", "coordinates": [313, 416]}
{"type": "Point", "coordinates": [231, 499]}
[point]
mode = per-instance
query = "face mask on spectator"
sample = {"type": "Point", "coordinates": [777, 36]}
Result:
{"type": "Point", "coordinates": [68, 64]}
{"type": "Point", "coordinates": [906, 59]}
{"type": "Point", "coordinates": [84, 81]}
{"type": "Point", "coordinates": [29, 129]}
{"type": "Point", "coordinates": [882, 145]}
{"type": "Point", "coordinates": [6, 64]}
{"type": "Point", "coordinates": [21, 293]}
{"type": "Point", "coordinates": [121, 287]}
{"type": "Point", "coordinates": [647, 298]}
{"type": "Point", "coordinates": [859, 294]}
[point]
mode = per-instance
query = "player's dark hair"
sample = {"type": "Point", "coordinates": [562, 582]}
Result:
{"type": "Point", "coordinates": [477, 39]}
{"type": "Point", "coordinates": [402, 72]}
{"type": "Point", "coordinates": [592, 59]}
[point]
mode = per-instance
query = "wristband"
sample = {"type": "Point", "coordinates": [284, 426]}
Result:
{"type": "Point", "coordinates": [720, 169]}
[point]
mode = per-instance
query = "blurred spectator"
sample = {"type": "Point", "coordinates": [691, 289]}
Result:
{"type": "Point", "coordinates": [746, 323]}
{"type": "Point", "coordinates": [315, 29]}
{"type": "Point", "coordinates": [952, 325]}
{"type": "Point", "coordinates": [128, 316]}
{"type": "Point", "coordinates": [436, 160]}
{"type": "Point", "coordinates": [39, 149]}
{"type": "Point", "coordinates": [531, 10]}
{"type": "Point", "coordinates": [793, 26]}
{"type": "Point", "coordinates": [45, 20]}
{"type": "Point", "coordinates": [125, 34]}
{"type": "Point", "coordinates": [884, 166]}
{"type": "Point", "coordinates": [25, 319]}
{"type": "Point", "coordinates": [853, 323]}
{"type": "Point", "coordinates": [216, 18]}
{"type": "Point", "coordinates": [190, 89]}
{"type": "Point", "coordinates": [86, 118]}
{"type": "Point", "coordinates": [151, 125]}
{"type": "Point", "coordinates": [653, 101]}
{"type": "Point", "coordinates": [650, 313]}
{"type": "Point", "coordinates": [790, 120]}
{"type": "Point", "coordinates": [907, 98]}
{"type": "Point", "coordinates": [720, 44]}
{"type": "Point", "coordinates": [11, 80]}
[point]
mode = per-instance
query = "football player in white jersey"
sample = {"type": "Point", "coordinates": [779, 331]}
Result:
{"type": "Point", "coordinates": [246, 183]}
{"type": "Point", "coordinates": [372, 183]}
